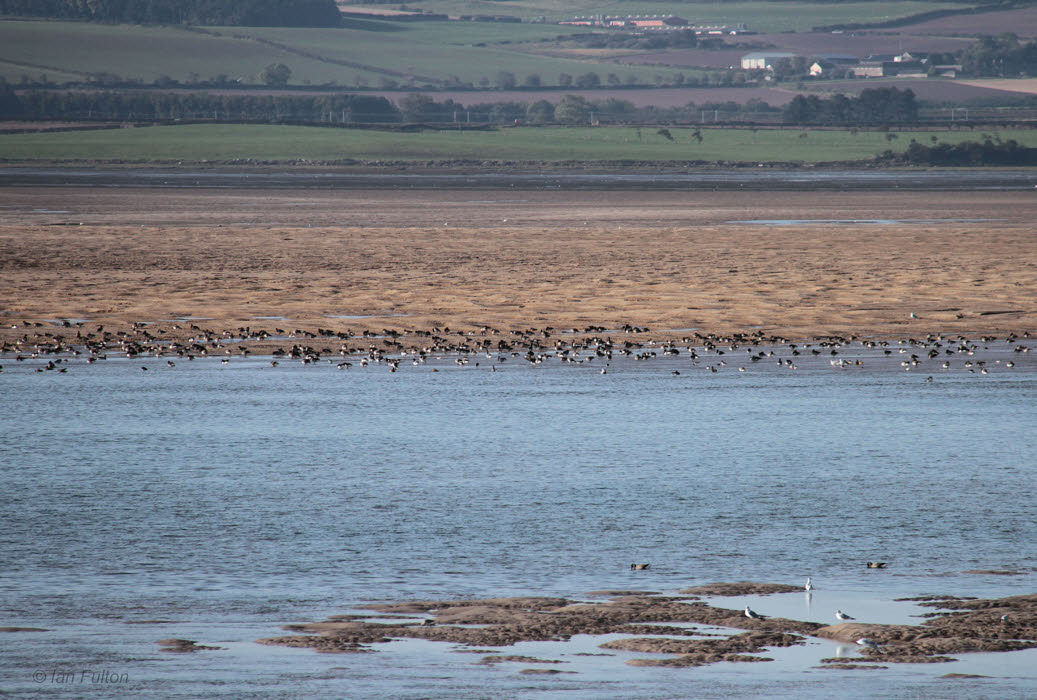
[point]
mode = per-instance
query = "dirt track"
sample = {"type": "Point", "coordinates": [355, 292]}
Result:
{"type": "Point", "coordinates": [962, 262]}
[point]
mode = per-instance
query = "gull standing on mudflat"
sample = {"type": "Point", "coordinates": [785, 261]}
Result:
{"type": "Point", "coordinates": [865, 642]}
{"type": "Point", "coordinates": [843, 616]}
{"type": "Point", "coordinates": [752, 614]}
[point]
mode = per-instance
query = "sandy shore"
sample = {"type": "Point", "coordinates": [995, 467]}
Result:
{"type": "Point", "coordinates": [962, 262]}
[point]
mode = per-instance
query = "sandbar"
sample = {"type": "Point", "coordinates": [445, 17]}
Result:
{"type": "Point", "coordinates": [799, 264]}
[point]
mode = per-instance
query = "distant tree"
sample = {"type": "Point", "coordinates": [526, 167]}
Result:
{"type": "Point", "coordinates": [532, 80]}
{"type": "Point", "coordinates": [572, 110]}
{"type": "Point", "coordinates": [790, 68]}
{"type": "Point", "coordinates": [755, 104]}
{"type": "Point", "coordinates": [10, 105]}
{"type": "Point", "coordinates": [276, 75]}
{"type": "Point", "coordinates": [565, 80]}
{"type": "Point", "coordinates": [505, 80]}
{"type": "Point", "coordinates": [417, 107]}
{"type": "Point", "coordinates": [613, 80]}
{"type": "Point", "coordinates": [588, 80]}
{"type": "Point", "coordinates": [615, 108]}
{"type": "Point", "coordinates": [540, 112]}
{"type": "Point", "coordinates": [504, 112]}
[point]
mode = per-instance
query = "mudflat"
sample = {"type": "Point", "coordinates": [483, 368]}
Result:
{"type": "Point", "coordinates": [794, 263]}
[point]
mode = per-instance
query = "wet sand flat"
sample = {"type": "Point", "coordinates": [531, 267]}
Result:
{"type": "Point", "coordinates": [797, 263]}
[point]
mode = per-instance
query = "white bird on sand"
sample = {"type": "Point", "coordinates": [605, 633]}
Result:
{"type": "Point", "coordinates": [809, 586]}
{"type": "Point", "coordinates": [843, 616]}
{"type": "Point", "coordinates": [865, 642]}
{"type": "Point", "coordinates": [752, 614]}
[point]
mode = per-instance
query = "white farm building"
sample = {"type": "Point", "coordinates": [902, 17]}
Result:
{"type": "Point", "coordinates": [763, 60]}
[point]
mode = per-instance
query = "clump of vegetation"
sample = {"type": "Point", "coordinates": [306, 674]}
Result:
{"type": "Point", "coordinates": [1002, 56]}
{"type": "Point", "coordinates": [990, 151]}
{"type": "Point", "coordinates": [872, 106]}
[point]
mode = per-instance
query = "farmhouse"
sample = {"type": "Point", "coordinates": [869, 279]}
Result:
{"type": "Point", "coordinates": [763, 60]}
{"type": "Point", "coordinates": [826, 64]}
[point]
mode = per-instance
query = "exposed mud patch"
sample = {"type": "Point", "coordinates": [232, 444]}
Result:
{"type": "Point", "coordinates": [665, 625]}
{"type": "Point", "coordinates": [741, 588]}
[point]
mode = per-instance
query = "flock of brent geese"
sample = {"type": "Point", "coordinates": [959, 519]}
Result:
{"type": "Point", "coordinates": [592, 346]}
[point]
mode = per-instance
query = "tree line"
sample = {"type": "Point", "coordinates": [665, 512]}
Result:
{"type": "Point", "coordinates": [42, 105]}
{"type": "Point", "coordinates": [873, 106]}
{"type": "Point", "coordinates": [339, 108]}
{"type": "Point", "coordinates": [253, 13]}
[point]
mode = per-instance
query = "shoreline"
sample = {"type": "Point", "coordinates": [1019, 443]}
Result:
{"type": "Point", "coordinates": [622, 175]}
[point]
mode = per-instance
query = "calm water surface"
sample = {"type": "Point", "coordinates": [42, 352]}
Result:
{"type": "Point", "coordinates": [218, 502]}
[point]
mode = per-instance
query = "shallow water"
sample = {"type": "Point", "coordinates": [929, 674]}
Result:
{"type": "Point", "coordinates": [226, 500]}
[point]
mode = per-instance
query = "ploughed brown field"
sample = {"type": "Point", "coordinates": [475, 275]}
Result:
{"type": "Point", "coordinates": [1022, 22]}
{"type": "Point", "coordinates": [963, 262]}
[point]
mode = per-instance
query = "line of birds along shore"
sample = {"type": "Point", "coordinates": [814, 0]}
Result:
{"type": "Point", "coordinates": [494, 347]}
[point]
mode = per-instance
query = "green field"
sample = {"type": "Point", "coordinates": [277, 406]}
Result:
{"type": "Point", "coordinates": [760, 16]}
{"type": "Point", "coordinates": [205, 143]}
{"type": "Point", "coordinates": [431, 52]}
{"type": "Point", "coordinates": [142, 53]}
{"type": "Point", "coordinates": [370, 52]}
{"type": "Point", "coordinates": [439, 50]}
